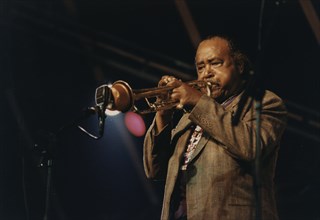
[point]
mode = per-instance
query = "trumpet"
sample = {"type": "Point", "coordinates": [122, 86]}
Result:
{"type": "Point", "coordinates": [120, 96]}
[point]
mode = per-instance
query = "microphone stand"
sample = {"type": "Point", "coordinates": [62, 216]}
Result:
{"type": "Point", "coordinates": [46, 160]}
{"type": "Point", "coordinates": [255, 89]}
{"type": "Point", "coordinates": [47, 148]}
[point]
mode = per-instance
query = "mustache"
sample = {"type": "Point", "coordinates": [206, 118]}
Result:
{"type": "Point", "coordinates": [213, 82]}
{"type": "Point", "coordinates": [212, 85]}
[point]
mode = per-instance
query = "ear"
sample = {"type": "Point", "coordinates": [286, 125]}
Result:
{"type": "Point", "coordinates": [240, 67]}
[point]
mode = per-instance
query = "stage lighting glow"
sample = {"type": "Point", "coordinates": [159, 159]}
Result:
{"type": "Point", "coordinates": [135, 124]}
{"type": "Point", "coordinates": [112, 113]}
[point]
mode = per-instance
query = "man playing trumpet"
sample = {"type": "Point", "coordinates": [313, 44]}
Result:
{"type": "Point", "coordinates": [207, 160]}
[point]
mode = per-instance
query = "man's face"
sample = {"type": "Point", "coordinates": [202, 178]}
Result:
{"type": "Point", "coordinates": [214, 63]}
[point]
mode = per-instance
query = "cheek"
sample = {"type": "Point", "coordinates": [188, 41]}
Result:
{"type": "Point", "coordinates": [200, 76]}
{"type": "Point", "coordinates": [224, 78]}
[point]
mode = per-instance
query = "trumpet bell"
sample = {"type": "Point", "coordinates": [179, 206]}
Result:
{"type": "Point", "coordinates": [123, 97]}
{"type": "Point", "coordinates": [119, 96]}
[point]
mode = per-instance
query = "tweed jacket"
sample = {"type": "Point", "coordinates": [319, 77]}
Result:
{"type": "Point", "coordinates": [220, 182]}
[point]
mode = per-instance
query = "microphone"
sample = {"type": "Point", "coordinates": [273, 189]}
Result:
{"type": "Point", "coordinates": [103, 96]}
{"type": "Point", "coordinates": [103, 99]}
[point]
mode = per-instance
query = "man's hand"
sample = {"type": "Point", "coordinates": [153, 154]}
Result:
{"type": "Point", "coordinates": [182, 93]}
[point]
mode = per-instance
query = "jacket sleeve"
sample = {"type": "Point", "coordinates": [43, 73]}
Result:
{"type": "Point", "coordinates": [240, 140]}
{"type": "Point", "coordinates": [156, 152]}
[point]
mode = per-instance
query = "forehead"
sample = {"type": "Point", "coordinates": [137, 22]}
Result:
{"type": "Point", "coordinates": [215, 47]}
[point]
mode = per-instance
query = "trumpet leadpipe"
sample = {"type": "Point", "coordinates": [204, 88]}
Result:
{"type": "Point", "coordinates": [122, 97]}
{"type": "Point", "coordinates": [163, 90]}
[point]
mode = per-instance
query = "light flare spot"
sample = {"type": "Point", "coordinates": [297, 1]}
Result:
{"type": "Point", "coordinates": [135, 124]}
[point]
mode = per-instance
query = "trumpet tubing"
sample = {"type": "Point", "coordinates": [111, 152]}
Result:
{"type": "Point", "coordinates": [122, 97]}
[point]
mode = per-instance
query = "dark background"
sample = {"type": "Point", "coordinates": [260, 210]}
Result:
{"type": "Point", "coordinates": [53, 55]}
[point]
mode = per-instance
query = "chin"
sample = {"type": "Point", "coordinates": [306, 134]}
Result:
{"type": "Point", "coordinates": [219, 96]}
{"type": "Point", "coordinates": [216, 94]}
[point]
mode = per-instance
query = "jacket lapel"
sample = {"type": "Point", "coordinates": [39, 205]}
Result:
{"type": "Point", "coordinates": [183, 124]}
{"type": "Point", "coordinates": [203, 141]}
{"type": "Point", "coordinates": [205, 138]}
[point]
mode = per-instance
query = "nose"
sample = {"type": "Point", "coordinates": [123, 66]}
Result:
{"type": "Point", "coordinates": [209, 72]}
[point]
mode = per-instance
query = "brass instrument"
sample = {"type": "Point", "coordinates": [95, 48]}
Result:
{"type": "Point", "coordinates": [120, 96]}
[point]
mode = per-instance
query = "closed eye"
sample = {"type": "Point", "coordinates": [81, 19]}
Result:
{"type": "Point", "coordinates": [200, 67]}
{"type": "Point", "coordinates": [216, 63]}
